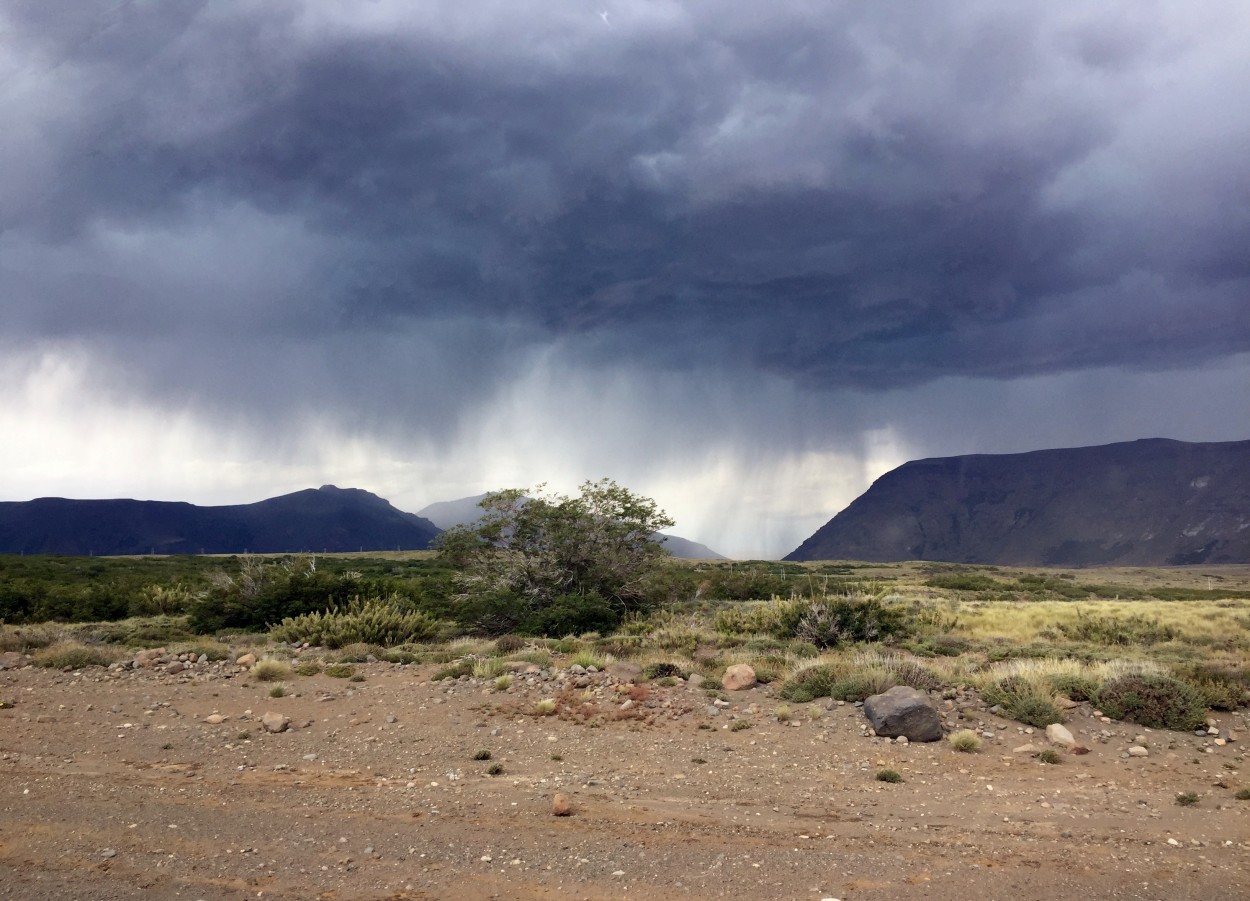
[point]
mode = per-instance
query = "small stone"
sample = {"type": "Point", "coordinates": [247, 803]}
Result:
{"type": "Point", "coordinates": [214, 719]}
{"type": "Point", "coordinates": [1058, 734]}
{"type": "Point", "coordinates": [108, 853]}
{"type": "Point", "coordinates": [738, 677]}
{"type": "Point", "coordinates": [247, 661]}
{"type": "Point", "coordinates": [561, 806]}
{"type": "Point", "coordinates": [1024, 749]}
{"type": "Point", "coordinates": [1138, 751]}
{"type": "Point", "coordinates": [275, 722]}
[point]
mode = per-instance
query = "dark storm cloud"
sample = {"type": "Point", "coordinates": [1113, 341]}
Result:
{"type": "Point", "coordinates": [863, 195]}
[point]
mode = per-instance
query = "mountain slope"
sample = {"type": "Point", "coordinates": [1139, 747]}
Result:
{"type": "Point", "coordinates": [465, 510]}
{"type": "Point", "coordinates": [322, 519]}
{"type": "Point", "coordinates": [1151, 502]}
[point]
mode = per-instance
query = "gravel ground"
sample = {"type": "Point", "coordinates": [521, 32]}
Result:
{"type": "Point", "coordinates": [122, 784]}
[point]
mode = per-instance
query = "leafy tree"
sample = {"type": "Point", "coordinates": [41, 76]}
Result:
{"type": "Point", "coordinates": [554, 564]}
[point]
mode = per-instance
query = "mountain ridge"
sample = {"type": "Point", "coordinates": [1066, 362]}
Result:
{"type": "Point", "coordinates": [328, 518]}
{"type": "Point", "coordinates": [1149, 502]}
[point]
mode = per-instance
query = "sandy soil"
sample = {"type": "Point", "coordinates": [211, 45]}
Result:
{"type": "Point", "coordinates": [113, 785]}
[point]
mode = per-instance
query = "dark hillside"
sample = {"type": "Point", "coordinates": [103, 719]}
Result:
{"type": "Point", "coordinates": [1153, 502]}
{"type": "Point", "coordinates": [321, 519]}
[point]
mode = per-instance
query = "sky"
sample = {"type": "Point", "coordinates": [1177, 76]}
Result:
{"type": "Point", "coordinates": [743, 258]}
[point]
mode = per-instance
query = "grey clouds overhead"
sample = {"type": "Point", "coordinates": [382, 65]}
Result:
{"type": "Point", "coordinates": [726, 219]}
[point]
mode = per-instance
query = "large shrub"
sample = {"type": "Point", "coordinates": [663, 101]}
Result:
{"type": "Point", "coordinates": [552, 564]}
{"type": "Point", "coordinates": [261, 594]}
{"type": "Point", "coordinates": [1160, 702]}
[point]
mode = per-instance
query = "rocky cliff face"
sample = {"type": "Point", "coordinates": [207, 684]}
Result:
{"type": "Point", "coordinates": [1152, 502]}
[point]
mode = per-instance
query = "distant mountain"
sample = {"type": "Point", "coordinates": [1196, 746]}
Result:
{"type": "Point", "coordinates": [322, 519]}
{"type": "Point", "coordinates": [1151, 502]}
{"type": "Point", "coordinates": [464, 510]}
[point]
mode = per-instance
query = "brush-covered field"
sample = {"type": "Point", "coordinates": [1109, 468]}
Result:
{"type": "Point", "coordinates": [421, 747]}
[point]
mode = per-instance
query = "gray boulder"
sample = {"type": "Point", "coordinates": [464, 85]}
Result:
{"type": "Point", "coordinates": [903, 711]}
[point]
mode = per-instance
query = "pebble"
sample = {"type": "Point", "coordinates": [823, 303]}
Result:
{"type": "Point", "coordinates": [1138, 751]}
{"type": "Point", "coordinates": [561, 806]}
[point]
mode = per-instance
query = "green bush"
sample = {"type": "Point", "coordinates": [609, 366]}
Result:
{"type": "Point", "coordinates": [1159, 702]}
{"type": "Point", "coordinates": [964, 582]}
{"type": "Point", "coordinates": [340, 671]}
{"type": "Point", "coordinates": [454, 671]}
{"type": "Point", "coordinates": [1074, 686]}
{"type": "Point", "coordinates": [863, 683]}
{"type": "Point", "coordinates": [809, 684]}
{"type": "Point", "coordinates": [965, 740]}
{"type": "Point", "coordinates": [270, 670]}
{"type": "Point", "coordinates": [148, 632]}
{"type": "Point", "coordinates": [1221, 687]}
{"type": "Point", "coordinates": [376, 621]}
{"type": "Point", "coordinates": [509, 644]}
{"type": "Point", "coordinates": [662, 669]}
{"type": "Point", "coordinates": [74, 655]}
{"type": "Point", "coordinates": [1024, 700]}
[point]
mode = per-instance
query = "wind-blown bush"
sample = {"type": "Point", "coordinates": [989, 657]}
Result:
{"type": "Point", "coordinates": [377, 621]}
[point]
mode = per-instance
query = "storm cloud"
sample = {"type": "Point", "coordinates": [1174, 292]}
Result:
{"type": "Point", "coordinates": [761, 231]}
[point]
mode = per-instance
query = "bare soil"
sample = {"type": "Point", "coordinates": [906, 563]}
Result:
{"type": "Point", "coordinates": [113, 785]}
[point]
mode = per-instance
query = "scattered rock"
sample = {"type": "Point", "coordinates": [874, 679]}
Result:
{"type": "Point", "coordinates": [246, 661]}
{"type": "Point", "coordinates": [214, 719]}
{"type": "Point", "coordinates": [1024, 749]}
{"type": "Point", "coordinates": [903, 711]}
{"type": "Point", "coordinates": [1138, 751]}
{"type": "Point", "coordinates": [738, 677]}
{"type": "Point", "coordinates": [623, 671]}
{"type": "Point", "coordinates": [1058, 734]}
{"type": "Point", "coordinates": [275, 722]}
{"type": "Point", "coordinates": [13, 660]}
{"type": "Point", "coordinates": [561, 806]}
{"type": "Point", "coordinates": [148, 658]}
